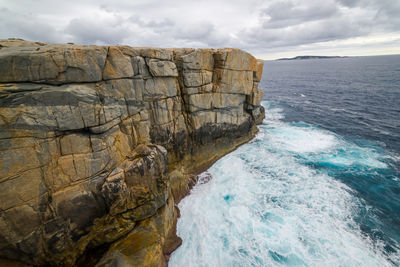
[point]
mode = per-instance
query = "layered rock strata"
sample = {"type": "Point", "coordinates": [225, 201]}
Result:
{"type": "Point", "coordinates": [98, 143]}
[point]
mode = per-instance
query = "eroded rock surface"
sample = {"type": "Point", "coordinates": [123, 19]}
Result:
{"type": "Point", "coordinates": [97, 143]}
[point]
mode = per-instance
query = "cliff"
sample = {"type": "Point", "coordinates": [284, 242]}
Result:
{"type": "Point", "coordinates": [97, 144]}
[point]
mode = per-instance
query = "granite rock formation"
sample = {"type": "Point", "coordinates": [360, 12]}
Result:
{"type": "Point", "coordinates": [97, 144]}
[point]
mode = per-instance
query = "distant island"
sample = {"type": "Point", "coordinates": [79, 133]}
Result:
{"type": "Point", "coordinates": [310, 57]}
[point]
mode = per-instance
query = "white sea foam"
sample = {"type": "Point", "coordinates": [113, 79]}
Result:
{"type": "Point", "coordinates": [265, 207]}
{"type": "Point", "coordinates": [300, 139]}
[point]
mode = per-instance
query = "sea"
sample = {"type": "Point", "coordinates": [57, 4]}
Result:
{"type": "Point", "coordinates": [319, 185]}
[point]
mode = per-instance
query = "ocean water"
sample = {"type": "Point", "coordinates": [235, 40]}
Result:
{"type": "Point", "coordinates": [320, 183]}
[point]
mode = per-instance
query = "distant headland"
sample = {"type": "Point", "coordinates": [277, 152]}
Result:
{"type": "Point", "coordinates": [310, 57]}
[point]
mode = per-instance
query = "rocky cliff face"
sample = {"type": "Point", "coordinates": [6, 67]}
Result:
{"type": "Point", "coordinates": [98, 143]}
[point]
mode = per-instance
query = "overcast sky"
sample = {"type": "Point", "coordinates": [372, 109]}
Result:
{"type": "Point", "coordinates": [268, 29]}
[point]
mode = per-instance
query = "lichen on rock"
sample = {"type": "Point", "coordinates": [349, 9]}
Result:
{"type": "Point", "coordinates": [97, 144]}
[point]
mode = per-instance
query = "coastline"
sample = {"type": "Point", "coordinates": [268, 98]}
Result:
{"type": "Point", "coordinates": [183, 177]}
{"type": "Point", "coordinates": [119, 133]}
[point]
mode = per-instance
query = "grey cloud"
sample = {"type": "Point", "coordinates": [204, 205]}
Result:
{"type": "Point", "coordinates": [256, 26]}
{"type": "Point", "coordinates": [152, 23]}
{"type": "Point", "coordinates": [26, 26]}
{"type": "Point", "coordinates": [306, 33]}
{"type": "Point", "coordinates": [204, 33]}
{"type": "Point", "coordinates": [386, 12]}
{"type": "Point", "coordinates": [287, 13]}
{"type": "Point", "coordinates": [287, 24]}
{"type": "Point", "coordinates": [97, 32]}
{"type": "Point", "coordinates": [348, 3]}
{"type": "Point", "coordinates": [137, 31]}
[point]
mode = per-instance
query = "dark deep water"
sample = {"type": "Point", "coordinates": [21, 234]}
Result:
{"type": "Point", "coordinates": [318, 186]}
{"type": "Point", "coordinates": [358, 99]}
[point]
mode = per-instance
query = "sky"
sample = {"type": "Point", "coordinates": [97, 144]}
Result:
{"type": "Point", "coordinates": [268, 29]}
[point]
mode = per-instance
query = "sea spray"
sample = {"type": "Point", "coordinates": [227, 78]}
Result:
{"type": "Point", "coordinates": [274, 202]}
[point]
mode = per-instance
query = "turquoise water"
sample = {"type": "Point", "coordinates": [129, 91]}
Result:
{"type": "Point", "coordinates": [316, 187]}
